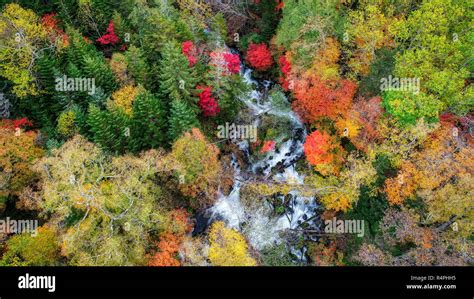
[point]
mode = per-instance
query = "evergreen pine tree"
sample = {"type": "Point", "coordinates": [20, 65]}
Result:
{"type": "Point", "coordinates": [46, 107]}
{"type": "Point", "coordinates": [72, 71]}
{"type": "Point", "coordinates": [67, 10]}
{"type": "Point", "coordinates": [110, 128]}
{"type": "Point", "coordinates": [83, 60]}
{"type": "Point", "coordinates": [177, 80]}
{"type": "Point", "coordinates": [73, 97]}
{"type": "Point", "coordinates": [137, 66]}
{"type": "Point", "coordinates": [96, 67]}
{"type": "Point", "coordinates": [181, 119]}
{"type": "Point", "coordinates": [103, 11]}
{"type": "Point", "coordinates": [148, 123]}
{"type": "Point", "coordinates": [46, 68]}
{"type": "Point", "coordinates": [78, 48]}
{"type": "Point", "coordinates": [229, 91]}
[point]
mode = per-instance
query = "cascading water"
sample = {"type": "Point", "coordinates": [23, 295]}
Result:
{"type": "Point", "coordinates": [260, 225]}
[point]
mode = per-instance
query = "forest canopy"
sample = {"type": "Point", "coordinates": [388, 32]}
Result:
{"type": "Point", "coordinates": [241, 133]}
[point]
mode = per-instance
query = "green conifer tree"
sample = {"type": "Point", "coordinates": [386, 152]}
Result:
{"type": "Point", "coordinates": [78, 48]}
{"type": "Point", "coordinates": [177, 80]}
{"type": "Point", "coordinates": [110, 129]}
{"type": "Point", "coordinates": [137, 65]}
{"type": "Point", "coordinates": [148, 123]}
{"type": "Point", "coordinates": [181, 119]}
{"type": "Point", "coordinates": [46, 106]}
{"type": "Point", "coordinates": [96, 67]}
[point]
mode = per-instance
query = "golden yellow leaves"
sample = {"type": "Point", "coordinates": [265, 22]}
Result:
{"type": "Point", "coordinates": [21, 35]}
{"type": "Point", "coordinates": [197, 166]}
{"type": "Point", "coordinates": [337, 201]}
{"type": "Point", "coordinates": [325, 63]}
{"type": "Point", "coordinates": [228, 247]}
{"type": "Point", "coordinates": [67, 124]}
{"type": "Point", "coordinates": [348, 127]}
{"type": "Point", "coordinates": [368, 31]}
{"type": "Point", "coordinates": [125, 96]}
{"type": "Point", "coordinates": [200, 10]}
{"type": "Point", "coordinates": [403, 186]}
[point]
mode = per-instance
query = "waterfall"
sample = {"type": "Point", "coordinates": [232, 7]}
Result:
{"type": "Point", "coordinates": [261, 226]}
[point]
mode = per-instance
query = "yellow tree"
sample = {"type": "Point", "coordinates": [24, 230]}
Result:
{"type": "Point", "coordinates": [22, 39]}
{"type": "Point", "coordinates": [403, 185]}
{"type": "Point", "coordinates": [195, 163]}
{"type": "Point", "coordinates": [367, 31]}
{"type": "Point", "coordinates": [18, 153]}
{"type": "Point", "coordinates": [228, 247]}
{"type": "Point", "coordinates": [25, 249]}
{"type": "Point", "coordinates": [325, 63]}
{"type": "Point", "coordinates": [441, 174]}
{"type": "Point", "coordinates": [399, 144]}
{"type": "Point", "coordinates": [200, 10]}
{"type": "Point", "coordinates": [108, 207]}
{"type": "Point", "coordinates": [125, 96]}
{"type": "Point", "coordinates": [358, 172]}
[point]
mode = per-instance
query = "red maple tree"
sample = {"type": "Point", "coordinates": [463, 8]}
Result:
{"type": "Point", "coordinates": [51, 23]}
{"type": "Point", "coordinates": [316, 98]}
{"type": "Point", "coordinates": [189, 50]}
{"type": "Point", "coordinates": [317, 148]}
{"type": "Point", "coordinates": [15, 123]}
{"type": "Point", "coordinates": [110, 38]}
{"type": "Point", "coordinates": [259, 56]}
{"type": "Point", "coordinates": [168, 247]}
{"type": "Point", "coordinates": [285, 68]}
{"type": "Point", "coordinates": [207, 102]}
{"type": "Point", "coordinates": [232, 62]}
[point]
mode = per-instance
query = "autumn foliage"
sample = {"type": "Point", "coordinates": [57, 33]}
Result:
{"type": "Point", "coordinates": [168, 247]}
{"type": "Point", "coordinates": [169, 243]}
{"type": "Point", "coordinates": [18, 152]}
{"type": "Point", "coordinates": [228, 247]}
{"type": "Point", "coordinates": [316, 99]}
{"type": "Point", "coordinates": [363, 111]}
{"type": "Point", "coordinates": [259, 56]}
{"type": "Point", "coordinates": [366, 114]}
{"type": "Point", "coordinates": [197, 166]}
{"type": "Point", "coordinates": [207, 102]}
{"type": "Point", "coordinates": [268, 145]}
{"type": "Point", "coordinates": [325, 63]}
{"type": "Point", "coordinates": [285, 68]}
{"type": "Point", "coordinates": [232, 62]}
{"type": "Point", "coordinates": [56, 33]}
{"type": "Point", "coordinates": [189, 50]}
{"type": "Point", "coordinates": [15, 123]}
{"type": "Point", "coordinates": [321, 151]}
{"type": "Point", "coordinates": [124, 97]}
{"type": "Point", "coordinates": [227, 63]}
{"type": "Point", "coordinates": [110, 38]}
{"type": "Point", "coordinates": [440, 173]}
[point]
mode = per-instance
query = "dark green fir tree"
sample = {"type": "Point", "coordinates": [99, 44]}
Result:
{"type": "Point", "coordinates": [181, 119]}
{"type": "Point", "coordinates": [110, 129]}
{"type": "Point", "coordinates": [176, 78]}
{"type": "Point", "coordinates": [148, 123]}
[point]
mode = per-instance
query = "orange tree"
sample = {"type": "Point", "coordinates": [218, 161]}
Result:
{"type": "Point", "coordinates": [18, 152]}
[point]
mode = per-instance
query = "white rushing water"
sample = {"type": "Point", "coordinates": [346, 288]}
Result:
{"type": "Point", "coordinates": [259, 224]}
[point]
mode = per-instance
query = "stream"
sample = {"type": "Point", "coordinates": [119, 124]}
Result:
{"type": "Point", "coordinates": [261, 226]}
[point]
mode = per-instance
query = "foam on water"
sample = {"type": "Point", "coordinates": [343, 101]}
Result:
{"type": "Point", "coordinates": [261, 226]}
